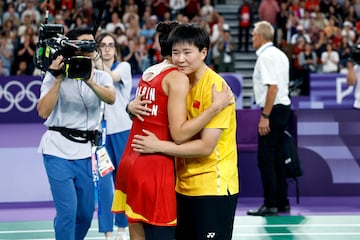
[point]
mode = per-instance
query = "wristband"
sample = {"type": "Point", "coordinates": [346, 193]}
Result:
{"type": "Point", "coordinates": [55, 72]}
{"type": "Point", "coordinates": [264, 115]}
{"type": "Point", "coordinates": [128, 111]}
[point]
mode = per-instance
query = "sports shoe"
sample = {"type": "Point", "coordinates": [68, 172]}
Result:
{"type": "Point", "coordinates": [121, 236]}
{"type": "Point", "coordinates": [263, 211]}
{"type": "Point", "coordinates": [284, 209]}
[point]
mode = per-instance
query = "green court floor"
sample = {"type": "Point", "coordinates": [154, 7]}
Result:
{"type": "Point", "coordinates": [328, 227]}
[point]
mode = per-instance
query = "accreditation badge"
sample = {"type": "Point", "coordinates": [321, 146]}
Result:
{"type": "Point", "coordinates": [105, 165]}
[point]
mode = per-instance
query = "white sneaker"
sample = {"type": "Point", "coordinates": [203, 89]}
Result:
{"type": "Point", "coordinates": [121, 236]}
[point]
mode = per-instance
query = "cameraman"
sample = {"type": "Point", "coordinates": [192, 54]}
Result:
{"type": "Point", "coordinates": [352, 78]}
{"type": "Point", "coordinates": [72, 111]}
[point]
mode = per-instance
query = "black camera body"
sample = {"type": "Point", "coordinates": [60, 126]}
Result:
{"type": "Point", "coordinates": [53, 42]}
{"type": "Point", "coordinates": [355, 54]}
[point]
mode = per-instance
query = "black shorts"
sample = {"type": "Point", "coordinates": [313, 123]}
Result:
{"type": "Point", "coordinates": [158, 233]}
{"type": "Point", "coordinates": [205, 217]}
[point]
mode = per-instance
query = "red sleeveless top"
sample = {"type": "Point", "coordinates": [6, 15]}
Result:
{"type": "Point", "coordinates": [145, 183]}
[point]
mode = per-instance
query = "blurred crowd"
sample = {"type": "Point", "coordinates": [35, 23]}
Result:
{"type": "Point", "coordinates": [132, 21]}
{"type": "Point", "coordinates": [317, 35]}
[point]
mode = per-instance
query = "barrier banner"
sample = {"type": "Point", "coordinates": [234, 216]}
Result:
{"type": "Point", "coordinates": [18, 99]}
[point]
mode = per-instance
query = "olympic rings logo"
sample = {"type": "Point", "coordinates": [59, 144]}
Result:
{"type": "Point", "coordinates": [15, 94]}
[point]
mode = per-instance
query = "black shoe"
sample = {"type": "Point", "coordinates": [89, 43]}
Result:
{"type": "Point", "coordinates": [263, 211]}
{"type": "Point", "coordinates": [284, 209]}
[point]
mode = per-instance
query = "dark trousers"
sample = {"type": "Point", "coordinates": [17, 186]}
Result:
{"type": "Point", "coordinates": [271, 166]}
{"type": "Point", "coordinates": [244, 32]}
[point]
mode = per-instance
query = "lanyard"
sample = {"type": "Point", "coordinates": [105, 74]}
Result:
{"type": "Point", "coordinates": [94, 160]}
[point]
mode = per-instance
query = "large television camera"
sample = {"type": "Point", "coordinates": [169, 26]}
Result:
{"type": "Point", "coordinates": [53, 42]}
{"type": "Point", "coordinates": [355, 54]}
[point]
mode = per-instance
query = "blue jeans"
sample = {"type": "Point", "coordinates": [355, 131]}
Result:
{"type": "Point", "coordinates": [72, 189]}
{"type": "Point", "coordinates": [115, 145]}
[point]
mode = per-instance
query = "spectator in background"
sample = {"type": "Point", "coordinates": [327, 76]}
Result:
{"type": "Point", "coordinates": [25, 53]}
{"type": "Point", "coordinates": [11, 14]}
{"type": "Point", "coordinates": [133, 56]}
{"type": "Point", "coordinates": [305, 21]}
{"type": "Point", "coordinates": [148, 31]}
{"type": "Point", "coordinates": [245, 17]}
{"type": "Point", "coordinates": [192, 8]}
{"type": "Point", "coordinates": [281, 20]}
{"type": "Point", "coordinates": [291, 25]}
{"type": "Point", "coordinates": [320, 46]}
{"type": "Point", "coordinates": [344, 53]}
{"type": "Point", "coordinates": [21, 69]}
{"type": "Point", "coordinates": [6, 51]}
{"type": "Point", "coordinates": [308, 64]}
{"type": "Point", "coordinates": [348, 32]}
{"type": "Point", "coordinates": [115, 22]}
{"type": "Point", "coordinates": [267, 11]}
{"type": "Point", "coordinates": [350, 14]}
{"type": "Point", "coordinates": [27, 22]}
{"type": "Point", "coordinates": [3, 71]}
{"type": "Point", "coordinates": [207, 10]}
{"type": "Point", "coordinates": [160, 7]}
{"type": "Point", "coordinates": [300, 33]}
{"type": "Point", "coordinates": [215, 37]}
{"type": "Point", "coordinates": [176, 6]}
{"type": "Point", "coordinates": [320, 20]}
{"type": "Point", "coordinates": [226, 49]}
{"type": "Point", "coordinates": [331, 29]}
{"type": "Point", "coordinates": [133, 27]}
{"type": "Point", "coordinates": [313, 29]}
{"type": "Point", "coordinates": [78, 21]}
{"type": "Point", "coordinates": [330, 59]}
{"type": "Point", "coordinates": [31, 9]}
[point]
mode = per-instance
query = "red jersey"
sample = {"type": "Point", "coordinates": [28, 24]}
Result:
{"type": "Point", "coordinates": [145, 183]}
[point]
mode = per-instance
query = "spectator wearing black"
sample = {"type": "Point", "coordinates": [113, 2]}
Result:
{"type": "Point", "coordinates": [25, 53]}
{"type": "Point", "coordinates": [308, 64]}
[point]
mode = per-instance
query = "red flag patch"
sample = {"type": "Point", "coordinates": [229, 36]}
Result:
{"type": "Point", "coordinates": [196, 104]}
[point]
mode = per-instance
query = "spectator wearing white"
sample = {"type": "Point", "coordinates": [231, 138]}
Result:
{"type": "Point", "coordinates": [115, 22]}
{"type": "Point", "coordinates": [349, 32]}
{"type": "Point", "coordinates": [215, 38]}
{"type": "Point", "coordinates": [330, 59]}
{"type": "Point", "coordinates": [206, 11]}
{"type": "Point", "coordinates": [25, 23]}
{"type": "Point", "coordinates": [176, 6]}
{"type": "Point", "coordinates": [300, 32]}
{"type": "Point", "coordinates": [31, 8]}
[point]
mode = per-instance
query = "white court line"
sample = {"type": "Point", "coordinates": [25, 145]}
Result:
{"type": "Point", "coordinates": [297, 234]}
{"type": "Point", "coordinates": [235, 234]}
{"type": "Point", "coordinates": [295, 225]}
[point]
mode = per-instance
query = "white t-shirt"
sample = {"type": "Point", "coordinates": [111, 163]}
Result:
{"type": "Point", "coordinates": [77, 107]}
{"type": "Point", "coordinates": [271, 68]}
{"type": "Point", "coordinates": [117, 119]}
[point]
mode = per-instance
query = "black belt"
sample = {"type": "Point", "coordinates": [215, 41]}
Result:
{"type": "Point", "coordinates": [74, 134]}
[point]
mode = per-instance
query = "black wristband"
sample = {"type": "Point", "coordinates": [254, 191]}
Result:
{"type": "Point", "coordinates": [128, 111]}
{"type": "Point", "coordinates": [55, 72]}
{"type": "Point", "coordinates": [264, 115]}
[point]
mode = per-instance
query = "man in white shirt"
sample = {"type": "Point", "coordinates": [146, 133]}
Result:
{"type": "Point", "coordinates": [270, 81]}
